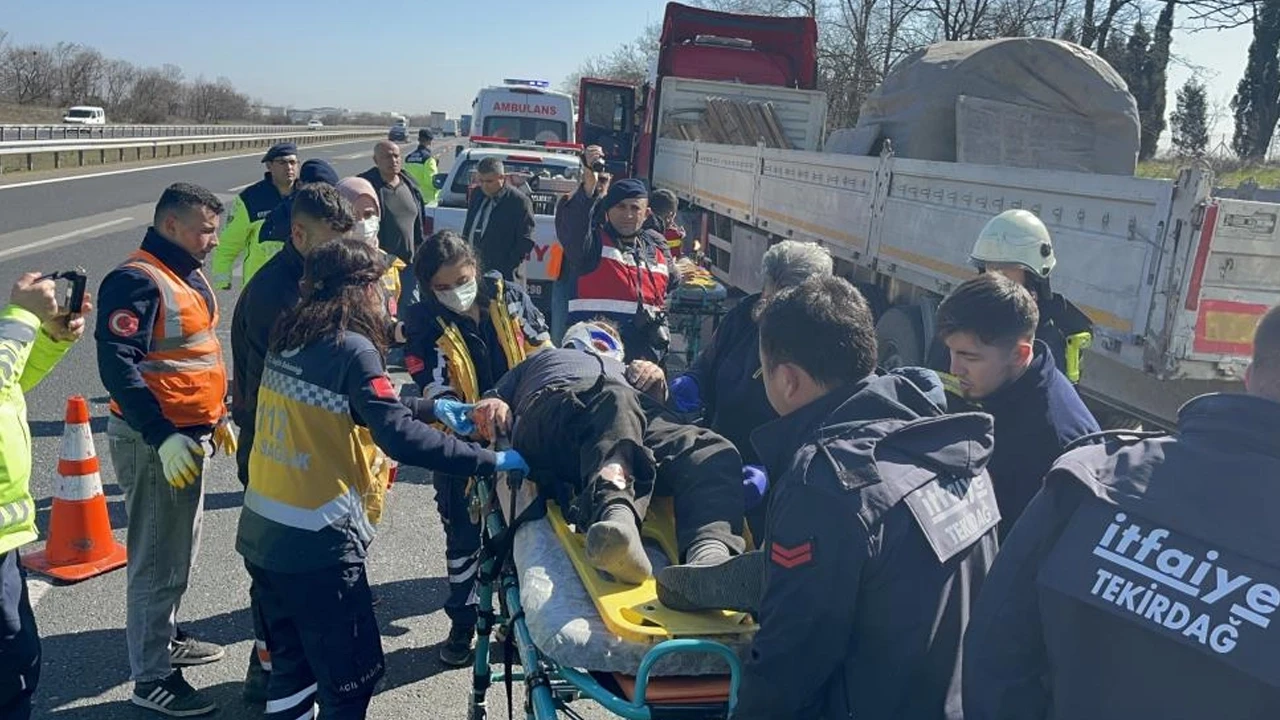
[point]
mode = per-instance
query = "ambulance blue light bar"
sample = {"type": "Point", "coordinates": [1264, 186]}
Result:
{"type": "Point", "coordinates": [527, 83]}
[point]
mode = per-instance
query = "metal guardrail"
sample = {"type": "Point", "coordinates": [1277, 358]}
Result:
{"type": "Point", "coordinates": [10, 132]}
{"type": "Point", "coordinates": [138, 147]}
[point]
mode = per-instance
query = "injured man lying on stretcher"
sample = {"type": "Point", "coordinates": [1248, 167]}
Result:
{"type": "Point", "coordinates": [602, 449]}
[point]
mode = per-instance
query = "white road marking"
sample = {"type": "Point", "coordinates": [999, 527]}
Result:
{"type": "Point", "coordinates": [355, 156]}
{"type": "Point", "coordinates": [63, 236]}
{"type": "Point", "coordinates": [36, 588]}
{"type": "Point", "coordinates": [107, 173]}
{"type": "Point", "coordinates": [238, 188]}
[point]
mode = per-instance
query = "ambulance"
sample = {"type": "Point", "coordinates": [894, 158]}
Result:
{"type": "Point", "coordinates": [523, 110]}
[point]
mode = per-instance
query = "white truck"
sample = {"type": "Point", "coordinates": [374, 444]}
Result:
{"type": "Point", "coordinates": [1173, 278]}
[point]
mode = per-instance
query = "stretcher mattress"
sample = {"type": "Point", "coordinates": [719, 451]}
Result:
{"type": "Point", "coordinates": [565, 624]}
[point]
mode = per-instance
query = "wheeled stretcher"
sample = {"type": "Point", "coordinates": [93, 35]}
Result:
{"type": "Point", "coordinates": [577, 634]}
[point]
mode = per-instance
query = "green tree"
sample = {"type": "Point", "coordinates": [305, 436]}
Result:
{"type": "Point", "coordinates": [1190, 119]}
{"type": "Point", "coordinates": [1258, 92]}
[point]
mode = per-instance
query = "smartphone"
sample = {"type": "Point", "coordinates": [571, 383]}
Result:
{"type": "Point", "coordinates": [73, 295]}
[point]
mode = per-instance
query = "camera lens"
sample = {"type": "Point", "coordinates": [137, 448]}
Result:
{"type": "Point", "coordinates": [598, 166]}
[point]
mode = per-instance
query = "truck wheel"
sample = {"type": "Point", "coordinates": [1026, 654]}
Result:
{"type": "Point", "coordinates": [900, 336]}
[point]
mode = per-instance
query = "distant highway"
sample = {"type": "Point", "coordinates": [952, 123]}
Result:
{"type": "Point", "coordinates": [12, 132]}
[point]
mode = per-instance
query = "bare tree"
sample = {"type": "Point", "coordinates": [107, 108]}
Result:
{"type": "Point", "coordinates": [118, 78]}
{"type": "Point", "coordinates": [27, 74]}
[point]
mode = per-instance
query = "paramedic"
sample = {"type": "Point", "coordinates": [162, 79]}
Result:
{"type": "Point", "coordinates": [34, 335]}
{"type": "Point", "coordinates": [1016, 244]}
{"type": "Point", "coordinates": [989, 325]}
{"type": "Point", "coordinates": [880, 496]}
{"type": "Point", "coordinates": [326, 402]}
{"type": "Point", "coordinates": [318, 216]}
{"type": "Point", "coordinates": [367, 213]}
{"type": "Point", "coordinates": [622, 271]}
{"type": "Point", "coordinates": [1070, 624]}
{"type": "Point", "coordinates": [160, 360]}
{"type": "Point", "coordinates": [465, 334]}
{"type": "Point", "coordinates": [421, 166]}
{"type": "Point", "coordinates": [580, 415]}
{"type": "Point", "coordinates": [726, 381]}
{"type": "Point", "coordinates": [250, 210]}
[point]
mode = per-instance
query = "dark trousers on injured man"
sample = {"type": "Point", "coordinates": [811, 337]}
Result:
{"type": "Point", "coordinates": [19, 642]}
{"type": "Point", "coordinates": [570, 433]}
{"type": "Point", "coordinates": [325, 645]}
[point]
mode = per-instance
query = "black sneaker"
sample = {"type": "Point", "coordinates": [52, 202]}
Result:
{"type": "Point", "coordinates": [457, 650]}
{"type": "Point", "coordinates": [172, 696]}
{"type": "Point", "coordinates": [731, 585]}
{"type": "Point", "coordinates": [186, 650]}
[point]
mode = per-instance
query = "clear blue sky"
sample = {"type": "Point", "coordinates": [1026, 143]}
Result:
{"type": "Point", "coordinates": [413, 55]}
{"type": "Point", "coordinates": [396, 55]}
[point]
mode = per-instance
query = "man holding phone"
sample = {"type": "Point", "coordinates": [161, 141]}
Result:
{"type": "Point", "coordinates": [34, 335]}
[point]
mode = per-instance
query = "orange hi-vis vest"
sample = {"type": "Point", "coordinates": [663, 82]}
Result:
{"type": "Point", "coordinates": [183, 368]}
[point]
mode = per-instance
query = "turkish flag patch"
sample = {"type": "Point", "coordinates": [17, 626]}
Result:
{"type": "Point", "coordinates": [123, 323]}
{"type": "Point", "coordinates": [381, 387]}
{"type": "Point", "coordinates": [414, 364]}
{"type": "Point", "coordinates": [790, 558]}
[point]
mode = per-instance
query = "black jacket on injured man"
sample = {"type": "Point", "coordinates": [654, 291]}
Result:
{"type": "Point", "coordinates": [601, 449]}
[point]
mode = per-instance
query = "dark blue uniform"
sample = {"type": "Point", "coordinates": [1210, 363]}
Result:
{"type": "Point", "coordinates": [1036, 417]}
{"type": "Point", "coordinates": [880, 531]}
{"type": "Point", "coordinates": [1143, 580]}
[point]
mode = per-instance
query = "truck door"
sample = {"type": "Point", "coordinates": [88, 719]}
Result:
{"type": "Point", "coordinates": [606, 117]}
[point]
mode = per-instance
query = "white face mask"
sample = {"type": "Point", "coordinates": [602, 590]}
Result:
{"type": "Point", "coordinates": [461, 298]}
{"type": "Point", "coordinates": [367, 230]}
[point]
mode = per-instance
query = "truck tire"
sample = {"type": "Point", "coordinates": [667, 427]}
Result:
{"type": "Point", "coordinates": [900, 337]}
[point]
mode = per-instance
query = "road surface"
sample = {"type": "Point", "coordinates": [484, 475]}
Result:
{"type": "Point", "coordinates": [94, 222]}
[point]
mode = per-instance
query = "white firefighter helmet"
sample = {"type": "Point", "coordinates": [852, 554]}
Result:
{"type": "Point", "coordinates": [594, 337]}
{"type": "Point", "coordinates": [1015, 237]}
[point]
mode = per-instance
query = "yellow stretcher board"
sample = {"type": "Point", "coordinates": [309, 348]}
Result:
{"type": "Point", "coordinates": [633, 612]}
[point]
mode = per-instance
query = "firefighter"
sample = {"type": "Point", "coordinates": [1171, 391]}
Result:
{"type": "Point", "coordinates": [250, 209]}
{"type": "Point", "coordinates": [880, 529]}
{"type": "Point", "coordinates": [599, 428]}
{"type": "Point", "coordinates": [34, 336]}
{"type": "Point", "coordinates": [421, 166]}
{"type": "Point", "coordinates": [1016, 244]}
{"type": "Point", "coordinates": [1144, 579]}
{"type": "Point", "coordinates": [328, 419]}
{"type": "Point", "coordinates": [160, 359]}
{"type": "Point", "coordinates": [466, 333]}
{"type": "Point", "coordinates": [318, 216]}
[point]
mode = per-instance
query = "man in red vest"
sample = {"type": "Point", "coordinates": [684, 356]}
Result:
{"type": "Point", "coordinates": [623, 272]}
{"type": "Point", "coordinates": [160, 359]}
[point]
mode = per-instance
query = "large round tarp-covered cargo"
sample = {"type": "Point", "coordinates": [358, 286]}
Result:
{"type": "Point", "coordinates": [1024, 102]}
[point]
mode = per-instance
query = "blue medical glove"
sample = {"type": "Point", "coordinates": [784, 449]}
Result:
{"type": "Point", "coordinates": [509, 460]}
{"type": "Point", "coordinates": [685, 394]}
{"type": "Point", "coordinates": [455, 415]}
{"type": "Point", "coordinates": [755, 483]}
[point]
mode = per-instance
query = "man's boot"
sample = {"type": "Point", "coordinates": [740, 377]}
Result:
{"type": "Point", "coordinates": [457, 649]}
{"type": "Point", "coordinates": [614, 545]}
{"type": "Point", "coordinates": [711, 580]}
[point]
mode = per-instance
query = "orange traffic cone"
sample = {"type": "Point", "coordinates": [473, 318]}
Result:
{"type": "Point", "coordinates": [80, 541]}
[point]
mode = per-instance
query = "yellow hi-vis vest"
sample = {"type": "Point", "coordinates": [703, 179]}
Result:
{"type": "Point", "coordinates": [462, 369]}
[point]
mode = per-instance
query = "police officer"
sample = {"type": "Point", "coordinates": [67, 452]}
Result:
{"type": "Point", "coordinates": [421, 166]}
{"type": "Point", "coordinates": [1016, 244]}
{"type": "Point", "coordinates": [160, 359]}
{"type": "Point", "coordinates": [278, 228]}
{"type": "Point", "coordinates": [329, 418]}
{"type": "Point", "coordinates": [1144, 580]}
{"type": "Point", "coordinates": [467, 332]}
{"type": "Point", "coordinates": [620, 270]}
{"type": "Point", "coordinates": [34, 335]}
{"type": "Point", "coordinates": [988, 324]}
{"type": "Point", "coordinates": [318, 216]}
{"type": "Point", "coordinates": [250, 209]}
{"type": "Point", "coordinates": [880, 530]}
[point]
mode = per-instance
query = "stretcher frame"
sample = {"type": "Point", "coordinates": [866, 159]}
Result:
{"type": "Point", "coordinates": [550, 687]}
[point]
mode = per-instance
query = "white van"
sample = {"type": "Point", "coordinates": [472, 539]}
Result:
{"type": "Point", "coordinates": [85, 115]}
{"type": "Point", "coordinates": [523, 110]}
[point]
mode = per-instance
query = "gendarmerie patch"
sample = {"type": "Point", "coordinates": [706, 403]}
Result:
{"type": "Point", "coordinates": [1172, 584]}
